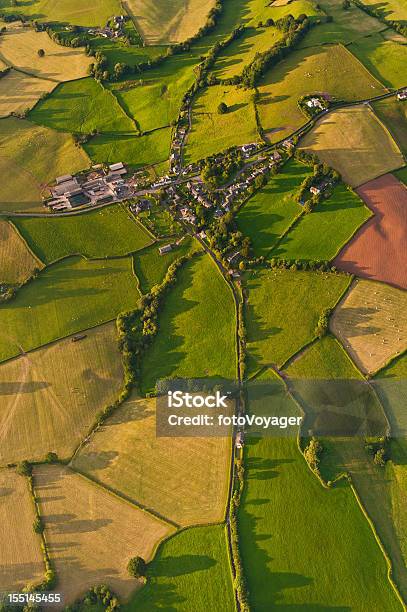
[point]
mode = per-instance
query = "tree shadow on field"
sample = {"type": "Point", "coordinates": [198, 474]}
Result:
{"type": "Point", "coordinates": [351, 321]}
{"type": "Point", "coordinates": [98, 461]}
{"type": "Point", "coordinates": [68, 523]}
{"type": "Point", "coordinates": [12, 388]}
{"type": "Point", "coordinates": [181, 565]}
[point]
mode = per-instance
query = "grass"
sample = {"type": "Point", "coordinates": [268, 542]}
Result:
{"type": "Point", "coordinates": [269, 213]}
{"type": "Point", "coordinates": [401, 175]}
{"type": "Point", "coordinates": [20, 555]}
{"type": "Point", "coordinates": [391, 9]}
{"type": "Point", "coordinates": [160, 22]}
{"type": "Point", "coordinates": [355, 143]}
{"type": "Point", "coordinates": [258, 10]}
{"type": "Point", "coordinates": [277, 301]}
{"type": "Point", "coordinates": [327, 69]}
{"type": "Point", "coordinates": [111, 231]}
{"type": "Point", "coordinates": [183, 479]}
{"type": "Point", "coordinates": [19, 48]}
{"type": "Point", "coordinates": [184, 563]}
{"type": "Point", "coordinates": [57, 392]}
{"type": "Point", "coordinates": [17, 263]}
{"type": "Point", "coordinates": [72, 11]}
{"type": "Point", "coordinates": [284, 516]}
{"type": "Point", "coordinates": [67, 297]}
{"type": "Point", "coordinates": [383, 58]}
{"type": "Point", "coordinates": [199, 306]}
{"type": "Point", "coordinates": [82, 106]}
{"type": "Point", "coordinates": [19, 92]}
{"type": "Point", "coordinates": [393, 113]}
{"type": "Point", "coordinates": [150, 267]}
{"type": "Point", "coordinates": [371, 323]}
{"type": "Point", "coordinates": [136, 151]}
{"type": "Point", "coordinates": [31, 157]}
{"type": "Point", "coordinates": [322, 233]}
{"type": "Point", "coordinates": [213, 132]}
{"type": "Point", "coordinates": [82, 522]}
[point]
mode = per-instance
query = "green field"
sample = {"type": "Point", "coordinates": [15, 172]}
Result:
{"type": "Point", "coordinates": [355, 143]}
{"type": "Point", "coordinates": [150, 267]}
{"type": "Point", "coordinates": [385, 59]}
{"type": "Point", "coordinates": [82, 106]}
{"type": "Point", "coordinates": [259, 10]}
{"type": "Point", "coordinates": [283, 311]}
{"type": "Point", "coordinates": [321, 234]}
{"type": "Point", "coordinates": [289, 527]}
{"type": "Point", "coordinates": [72, 11]}
{"type": "Point", "coordinates": [391, 9]}
{"type": "Point", "coordinates": [329, 70]}
{"type": "Point", "coordinates": [393, 113]}
{"type": "Point", "coordinates": [197, 311]}
{"type": "Point", "coordinates": [184, 479]}
{"type": "Point", "coordinates": [190, 572]}
{"type": "Point", "coordinates": [269, 213]}
{"type": "Point", "coordinates": [30, 157]}
{"type": "Point", "coordinates": [101, 233]}
{"type": "Point", "coordinates": [212, 132]}
{"type": "Point", "coordinates": [402, 175]}
{"type": "Point", "coordinates": [57, 391]}
{"type": "Point", "coordinates": [67, 297]}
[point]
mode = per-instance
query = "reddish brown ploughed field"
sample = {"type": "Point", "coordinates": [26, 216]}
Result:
{"type": "Point", "coordinates": [379, 248]}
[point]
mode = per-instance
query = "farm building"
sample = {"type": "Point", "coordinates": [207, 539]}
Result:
{"type": "Point", "coordinates": [165, 249]}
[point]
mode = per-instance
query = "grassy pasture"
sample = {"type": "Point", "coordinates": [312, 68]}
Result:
{"type": "Point", "coordinates": [83, 522]}
{"type": "Point", "coordinates": [31, 157]}
{"type": "Point", "coordinates": [57, 391]}
{"type": "Point", "coordinates": [183, 479]}
{"type": "Point", "coordinates": [19, 48]}
{"type": "Point", "coordinates": [355, 143]}
{"type": "Point", "coordinates": [74, 12]}
{"type": "Point", "coordinates": [160, 22]}
{"type": "Point", "coordinates": [101, 233]}
{"type": "Point", "coordinates": [322, 233]}
{"type": "Point", "coordinates": [277, 301]}
{"type": "Point", "coordinates": [270, 211]}
{"type": "Point", "coordinates": [259, 10]}
{"type": "Point", "coordinates": [212, 132]}
{"type": "Point", "coordinates": [401, 175]}
{"type": "Point", "coordinates": [150, 267]}
{"type": "Point", "coordinates": [82, 106]}
{"type": "Point", "coordinates": [21, 560]}
{"type": "Point", "coordinates": [182, 565]}
{"type": "Point", "coordinates": [284, 516]}
{"type": "Point", "coordinates": [19, 92]}
{"type": "Point", "coordinates": [67, 297]}
{"type": "Point", "coordinates": [394, 115]}
{"type": "Point", "coordinates": [329, 69]}
{"type": "Point", "coordinates": [17, 263]}
{"type": "Point", "coordinates": [384, 58]}
{"type": "Point", "coordinates": [136, 151]}
{"type": "Point", "coordinates": [371, 323]}
{"type": "Point", "coordinates": [200, 306]}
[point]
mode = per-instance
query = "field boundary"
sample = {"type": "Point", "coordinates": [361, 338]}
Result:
{"type": "Point", "coordinates": [387, 129]}
{"type": "Point", "coordinates": [24, 240]}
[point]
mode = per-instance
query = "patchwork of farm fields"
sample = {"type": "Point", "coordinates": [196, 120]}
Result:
{"type": "Point", "coordinates": [17, 263]}
{"type": "Point", "coordinates": [57, 391]}
{"type": "Point", "coordinates": [355, 143]}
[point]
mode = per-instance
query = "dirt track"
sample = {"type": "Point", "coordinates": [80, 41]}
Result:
{"type": "Point", "coordinates": [379, 249]}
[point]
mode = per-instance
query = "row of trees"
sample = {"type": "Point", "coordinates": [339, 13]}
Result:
{"type": "Point", "coordinates": [399, 26]}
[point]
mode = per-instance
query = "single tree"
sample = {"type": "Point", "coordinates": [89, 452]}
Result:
{"type": "Point", "coordinates": [137, 567]}
{"type": "Point", "coordinates": [223, 108]}
{"type": "Point", "coordinates": [41, 52]}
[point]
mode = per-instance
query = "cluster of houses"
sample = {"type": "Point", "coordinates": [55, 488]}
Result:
{"type": "Point", "coordinates": [113, 30]}
{"type": "Point", "coordinates": [95, 187]}
{"type": "Point", "coordinates": [176, 148]}
{"type": "Point", "coordinates": [321, 187]}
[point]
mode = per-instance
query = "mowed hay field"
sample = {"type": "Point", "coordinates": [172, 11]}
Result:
{"type": "Point", "coordinates": [160, 22]}
{"type": "Point", "coordinates": [57, 392]}
{"type": "Point", "coordinates": [183, 479]}
{"type": "Point", "coordinates": [296, 526]}
{"type": "Point", "coordinates": [283, 311]}
{"type": "Point", "coordinates": [91, 533]}
{"type": "Point", "coordinates": [64, 299]}
{"type": "Point", "coordinates": [355, 143]}
{"type": "Point", "coordinates": [196, 313]}
{"type": "Point", "coordinates": [384, 57]}
{"type": "Point", "coordinates": [31, 157]}
{"type": "Point", "coordinates": [19, 48]}
{"type": "Point", "coordinates": [17, 263]}
{"type": "Point", "coordinates": [371, 323]}
{"type": "Point", "coordinates": [321, 234]}
{"type": "Point", "coordinates": [271, 210]}
{"type": "Point", "coordinates": [393, 113]}
{"type": "Point", "coordinates": [21, 561]}
{"type": "Point", "coordinates": [20, 92]}
{"type": "Point", "coordinates": [183, 564]}
{"type": "Point", "coordinates": [75, 12]}
{"type": "Point", "coordinates": [329, 70]}
{"type": "Point", "coordinates": [378, 249]}
{"type": "Point", "coordinates": [101, 233]}
{"type": "Point", "coordinates": [212, 132]}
